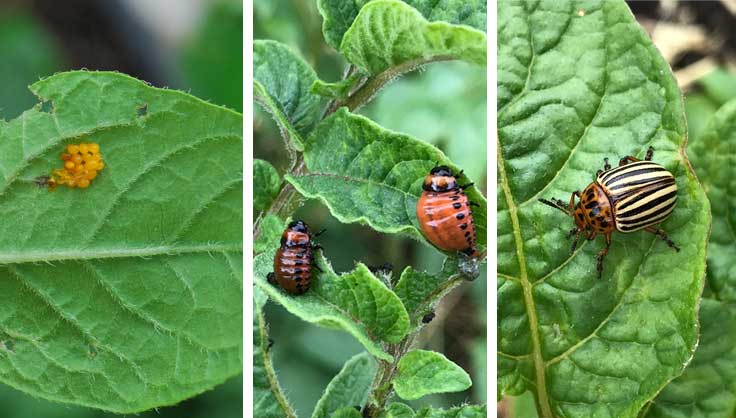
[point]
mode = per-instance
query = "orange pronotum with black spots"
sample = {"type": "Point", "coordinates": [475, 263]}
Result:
{"type": "Point", "coordinates": [444, 212]}
{"type": "Point", "coordinates": [294, 260]}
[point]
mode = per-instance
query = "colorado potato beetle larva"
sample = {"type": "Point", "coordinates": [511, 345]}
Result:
{"type": "Point", "coordinates": [294, 259]}
{"type": "Point", "coordinates": [444, 214]}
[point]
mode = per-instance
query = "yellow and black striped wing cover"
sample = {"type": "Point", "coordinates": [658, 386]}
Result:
{"type": "Point", "coordinates": [641, 193]}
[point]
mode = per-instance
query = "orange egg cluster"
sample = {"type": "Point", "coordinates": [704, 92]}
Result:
{"type": "Point", "coordinates": [82, 162]}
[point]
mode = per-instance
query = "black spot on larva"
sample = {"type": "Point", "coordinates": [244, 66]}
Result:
{"type": "Point", "coordinates": [463, 226]}
{"type": "Point", "coordinates": [457, 205]}
{"type": "Point", "coordinates": [297, 279]}
{"type": "Point", "coordinates": [460, 216]}
{"type": "Point", "coordinates": [297, 271]}
{"type": "Point", "coordinates": [298, 262]}
{"type": "Point", "coordinates": [467, 233]}
{"type": "Point", "coordinates": [299, 255]}
{"type": "Point", "coordinates": [455, 197]}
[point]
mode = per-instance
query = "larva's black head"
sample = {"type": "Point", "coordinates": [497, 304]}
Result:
{"type": "Point", "coordinates": [299, 226]}
{"type": "Point", "coordinates": [440, 179]}
{"type": "Point", "coordinates": [441, 170]}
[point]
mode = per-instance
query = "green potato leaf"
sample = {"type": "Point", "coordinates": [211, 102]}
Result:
{"type": "Point", "coordinates": [712, 155]}
{"type": "Point", "coordinates": [339, 15]}
{"type": "Point", "coordinates": [579, 81]}
{"type": "Point", "coordinates": [390, 33]}
{"type": "Point", "coordinates": [719, 86]}
{"type": "Point", "coordinates": [122, 296]}
{"type": "Point", "coordinates": [271, 229]}
{"type": "Point", "coordinates": [266, 185]}
{"type": "Point", "coordinates": [422, 372]}
{"type": "Point", "coordinates": [356, 302]}
{"type": "Point", "coordinates": [268, 397]}
{"type": "Point", "coordinates": [367, 174]}
{"type": "Point", "coordinates": [707, 387]}
{"type": "Point", "coordinates": [350, 387]}
{"type": "Point", "coordinates": [347, 412]}
{"type": "Point", "coordinates": [281, 85]}
{"type": "Point", "coordinates": [419, 291]}
{"type": "Point", "coordinates": [400, 410]}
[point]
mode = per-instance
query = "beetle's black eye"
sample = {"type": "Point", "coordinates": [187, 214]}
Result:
{"type": "Point", "coordinates": [441, 170]}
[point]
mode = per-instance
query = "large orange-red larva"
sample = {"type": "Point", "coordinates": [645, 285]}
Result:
{"type": "Point", "coordinates": [444, 213]}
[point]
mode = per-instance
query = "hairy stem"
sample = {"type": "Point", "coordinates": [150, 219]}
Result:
{"type": "Point", "coordinates": [270, 372]}
{"type": "Point", "coordinates": [375, 83]}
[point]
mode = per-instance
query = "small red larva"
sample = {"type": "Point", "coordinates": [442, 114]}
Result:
{"type": "Point", "coordinates": [294, 259]}
{"type": "Point", "coordinates": [444, 212]}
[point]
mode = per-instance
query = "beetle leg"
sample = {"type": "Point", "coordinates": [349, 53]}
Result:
{"type": "Point", "coordinates": [467, 185]}
{"type": "Point", "coordinates": [650, 154]}
{"type": "Point", "coordinates": [473, 204]}
{"type": "Point", "coordinates": [571, 206]}
{"type": "Point", "coordinates": [606, 165]}
{"type": "Point", "coordinates": [602, 255]}
{"type": "Point", "coordinates": [627, 159]}
{"type": "Point", "coordinates": [575, 241]}
{"type": "Point", "coordinates": [271, 278]}
{"type": "Point", "coordinates": [320, 232]}
{"type": "Point", "coordinates": [572, 232]}
{"type": "Point", "coordinates": [660, 233]}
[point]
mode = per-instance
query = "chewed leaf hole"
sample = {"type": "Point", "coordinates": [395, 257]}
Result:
{"type": "Point", "coordinates": [92, 351]}
{"type": "Point", "coordinates": [7, 344]}
{"type": "Point", "coordinates": [142, 110]}
{"type": "Point", "coordinates": [47, 106]}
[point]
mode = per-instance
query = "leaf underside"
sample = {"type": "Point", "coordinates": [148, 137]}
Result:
{"type": "Point", "coordinates": [339, 15]}
{"type": "Point", "coordinates": [390, 33]}
{"type": "Point", "coordinates": [349, 388]}
{"type": "Point", "coordinates": [122, 296]}
{"type": "Point", "coordinates": [422, 372]}
{"type": "Point", "coordinates": [281, 85]}
{"type": "Point", "coordinates": [579, 81]}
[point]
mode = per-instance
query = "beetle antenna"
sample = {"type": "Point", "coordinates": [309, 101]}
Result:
{"type": "Point", "coordinates": [555, 205]}
{"type": "Point", "coordinates": [320, 232]}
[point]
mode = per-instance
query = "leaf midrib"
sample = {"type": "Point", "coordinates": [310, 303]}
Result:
{"type": "Point", "coordinates": [107, 253]}
{"type": "Point", "coordinates": [526, 285]}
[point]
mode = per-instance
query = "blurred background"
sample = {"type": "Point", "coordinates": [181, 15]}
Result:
{"type": "Point", "coordinates": [443, 104]}
{"type": "Point", "coordinates": [698, 39]}
{"type": "Point", "coordinates": [191, 45]}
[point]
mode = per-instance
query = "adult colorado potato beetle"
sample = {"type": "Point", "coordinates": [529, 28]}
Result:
{"type": "Point", "coordinates": [444, 212]}
{"type": "Point", "coordinates": [635, 195]}
{"type": "Point", "coordinates": [294, 259]}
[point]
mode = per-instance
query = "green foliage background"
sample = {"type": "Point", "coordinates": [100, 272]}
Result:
{"type": "Point", "coordinates": [441, 104]}
{"type": "Point", "coordinates": [31, 51]}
